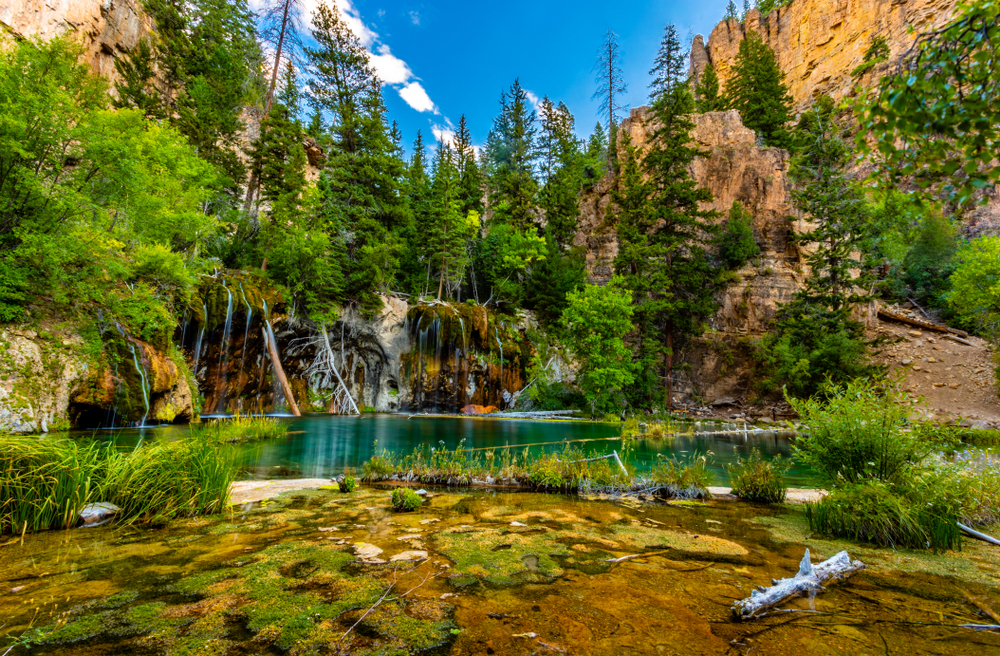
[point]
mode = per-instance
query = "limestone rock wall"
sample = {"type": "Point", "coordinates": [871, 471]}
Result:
{"type": "Point", "coordinates": [819, 42]}
{"type": "Point", "coordinates": [106, 28]}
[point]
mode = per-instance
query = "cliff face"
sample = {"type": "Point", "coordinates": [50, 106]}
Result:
{"type": "Point", "coordinates": [107, 29]}
{"type": "Point", "coordinates": [819, 42]}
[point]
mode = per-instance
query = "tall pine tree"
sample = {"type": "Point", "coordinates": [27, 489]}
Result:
{"type": "Point", "coordinates": [512, 152]}
{"type": "Point", "coordinates": [560, 168]}
{"type": "Point", "coordinates": [706, 91]}
{"type": "Point", "coordinates": [758, 91]}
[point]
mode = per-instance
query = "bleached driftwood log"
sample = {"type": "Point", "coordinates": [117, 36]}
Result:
{"type": "Point", "coordinates": [808, 581]}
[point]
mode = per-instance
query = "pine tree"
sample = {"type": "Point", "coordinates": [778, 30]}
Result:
{"type": "Point", "coordinates": [707, 91]}
{"type": "Point", "coordinates": [596, 156]}
{"type": "Point", "coordinates": [446, 240]}
{"type": "Point", "coordinates": [136, 87]}
{"type": "Point", "coordinates": [560, 159]}
{"type": "Point", "coordinates": [512, 153]}
{"type": "Point", "coordinates": [731, 11]}
{"type": "Point", "coordinates": [671, 252]}
{"type": "Point", "coordinates": [470, 193]}
{"type": "Point", "coordinates": [289, 96]}
{"type": "Point", "coordinates": [746, 9]}
{"type": "Point", "coordinates": [669, 66]}
{"type": "Point", "coordinates": [758, 91]}
{"type": "Point", "coordinates": [611, 85]}
{"type": "Point", "coordinates": [363, 173]}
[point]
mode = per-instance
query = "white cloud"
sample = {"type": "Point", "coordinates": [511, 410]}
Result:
{"type": "Point", "coordinates": [380, 13]}
{"type": "Point", "coordinates": [532, 98]}
{"type": "Point", "coordinates": [415, 17]}
{"type": "Point", "coordinates": [415, 96]}
{"type": "Point", "coordinates": [390, 68]}
{"type": "Point", "coordinates": [442, 133]}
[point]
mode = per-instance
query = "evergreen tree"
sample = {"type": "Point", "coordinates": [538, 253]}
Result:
{"type": "Point", "coordinates": [446, 239]}
{"type": "Point", "coordinates": [816, 336]}
{"type": "Point", "coordinates": [559, 158]}
{"type": "Point", "coordinates": [136, 87]}
{"type": "Point", "coordinates": [731, 11]}
{"type": "Point", "coordinates": [470, 193]}
{"type": "Point", "coordinates": [736, 243]}
{"type": "Point", "coordinates": [511, 149]}
{"type": "Point", "coordinates": [669, 66]}
{"type": "Point", "coordinates": [758, 91]}
{"type": "Point", "coordinates": [746, 9]}
{"type": "Point", "coordinates": [553, 279]}
{"type": "Point", "coordinates": [596, 157]}
{"type": "Point", "coordinates": [611, 85]}
{"type": "Point", "coordinates": [362, 191]}
{"type": "Point", "coordinates": [416, 265]}
{"type": "Point", "coordinates": [289, 96]}
{"type": "Point", "coordinates": [671, 251]}
{"type": "Point", "coordinates": [707, 91]}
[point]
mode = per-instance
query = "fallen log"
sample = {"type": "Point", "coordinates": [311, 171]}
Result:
{"type": "Point", "coordinates": [892, 316]}
{"type": "Point", "coordinates": [979, 536]}
{"type": "Point", "coordinates": [808, 581]}
{"type": "Point", "coordinates": [279, 373]}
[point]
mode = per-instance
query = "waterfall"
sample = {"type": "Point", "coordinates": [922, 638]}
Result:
{"type": "Point", "coordinates": [246, 333]}
{"type": "Point", "coordinates": [197, 342]}
{"type": "Point", "coordinates": [500, 344]}
{"type": "Point", "coordinates": [142, 377]}
{"type": "Point", "coordinates": [437, 359]}
{"type": "Point", "coordinates": [224, 352]}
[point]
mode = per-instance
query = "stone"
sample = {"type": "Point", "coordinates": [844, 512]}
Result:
{"type": "Point", "coordinates": [915, 333]}
{"type": "Point", "coordinates": [408, 556]}
{"type": "Point", "coordinates": [95, 514]}
{"type": "Point", "coordinates": [368, 553]}
{"type": "Point", "coordinates": [906, 361]}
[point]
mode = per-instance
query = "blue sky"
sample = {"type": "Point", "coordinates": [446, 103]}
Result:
{"type": "Point", "coordinates": [445, 58]}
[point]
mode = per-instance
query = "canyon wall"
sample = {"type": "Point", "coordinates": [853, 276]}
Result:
{"type": "Point", "coordinates": [107, 29]}
{"type": "Point", "coordinates": [819, 42]}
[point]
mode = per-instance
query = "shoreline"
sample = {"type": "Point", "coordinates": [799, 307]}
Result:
{"type": "Point", "coordinates": [243, 492]}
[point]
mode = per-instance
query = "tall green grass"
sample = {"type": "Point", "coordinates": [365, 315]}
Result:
{"type": "Point", "coordinates": [241, 428]}
{"type": "Point", "coordinates": [755, 479]}
{"type": "Point", "coordinates": [45, 482]}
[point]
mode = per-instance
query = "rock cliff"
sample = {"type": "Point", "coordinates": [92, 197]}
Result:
{"type": "Point", "coordinates": [107, 29]}
{"type": "Point", "coordinates": [819, 42]}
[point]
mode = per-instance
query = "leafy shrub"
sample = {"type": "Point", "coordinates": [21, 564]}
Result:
{"type": "Point", "coordinates": [348, 484]}
{"type": "Point", "coordinates": [405, 500]}
{"type": "Point", "coordinates": [682, 478]}
{"type": "Point", "coordinates": [736, 243]}
{"type": "Point", "coordinates": [857, 434]}
{"type": "Point", "coordinates": [874, 512]}
{"type": "Point", "coordinates": [756, 479]}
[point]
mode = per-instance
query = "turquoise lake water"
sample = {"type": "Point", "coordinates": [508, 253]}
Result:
{"type": "Point", "coordinates": [318, 446]}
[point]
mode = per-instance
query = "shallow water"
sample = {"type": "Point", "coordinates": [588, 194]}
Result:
{"type": "Point", "coordinates": [277, 579]}
{"type": "Point", "coordinates": [323, 445]}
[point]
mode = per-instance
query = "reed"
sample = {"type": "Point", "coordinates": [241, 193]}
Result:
{"type": "Point", "coordinates": [240, 429]}
{"type": "Point", "coordinates": [755, 479]}
{"type": "Point", "coordinates": [46, 482]}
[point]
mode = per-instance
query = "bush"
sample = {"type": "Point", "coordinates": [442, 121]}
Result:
{"type": "Point", "coordinates": [736, 243]}
{"type": "Point", "coordinates": [756, 479]}
{"type": "Point", "coordinates": [239, 429]}
{"type": "Point", "coordinates": [874, 512]}
{"type": "Point", "coordinates": [857, 434]}
{"type": "Point", "coordinates": [682, 478]}
{"type": "Point", "coordinates": [405, 500]}
{"type": "Point", "coordinates": [348, 484]}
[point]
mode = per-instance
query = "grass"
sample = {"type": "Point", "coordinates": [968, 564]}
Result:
{"type": "Point", "coordinates": [633, 428]}
{"type": "Point", "coordinates": [45, 482]}
{"type": "Point", "coordinates": [755, 479]}
{"type": "Point", "coordinates": [570, 469]}
{"type": "Point", "coordinates": [241, 428]}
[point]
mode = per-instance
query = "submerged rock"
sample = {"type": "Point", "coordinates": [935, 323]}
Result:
{"type": "Point", "coordinates": [95, 514]}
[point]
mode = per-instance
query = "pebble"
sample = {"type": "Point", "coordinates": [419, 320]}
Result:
{"type": "Point", "coordinates": [517, 524]}
{"type": "Point", "coordinates": [408, 555]}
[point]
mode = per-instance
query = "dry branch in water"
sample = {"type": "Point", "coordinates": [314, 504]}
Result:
{"type": "Point", "coordinates": [808, 581]}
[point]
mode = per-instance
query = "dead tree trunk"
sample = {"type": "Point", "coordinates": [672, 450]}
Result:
{"type": "Point", "coordinates": [272, 348]}
{"type": "Point", "coordinates": [808, 581]}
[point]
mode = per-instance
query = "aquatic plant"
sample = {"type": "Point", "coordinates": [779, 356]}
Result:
{"type": "Point", "coordinates": [46, 482]}
{"type": "Point", "coordinates": [755, 479]}
{"type": "Point", "coordinates": [241, 428]}
{"type": "Point", "coordinates": [682, 478]}
{"type": "Point", "coordinates": [348, 484]}
{"type": "Point", "coordinates": [405, 500]}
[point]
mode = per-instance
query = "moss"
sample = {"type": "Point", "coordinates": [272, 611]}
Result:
{"type": "Point", "coordinates": [74, 630]}
{"type": "Point", "coordinates": [502, 556]}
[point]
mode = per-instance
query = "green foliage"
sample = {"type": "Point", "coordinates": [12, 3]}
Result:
{"type": "Point", "coordinates": [405, 500]}
{"type": "Point", "coordinates": [856, 434]}
{"type": "Point", "coordinates": [706, 91]}
{"type": "Point", "coordinates": [596, 320]}
{"type": "Point", "coordinates": [878, 52]}
{"type": "Point", "coordinates": [596, 156]}
{"type": "Point", "coordinates": [552, 279]}
{"type": "Point", "coordinates": [511, 153]}
{"type": "Point", "coordinates": [975, 285]}
{"type": "Point", "coordinates": [930, 261]}
{"type": "Point", "coordinates": [503, 257]}
{"type": "Point", "coordinates": [946, 86]}
{"type": "Point", "coordinates": [241, 429]}
{"type": "Point", "coordinates": [44, 483]}
{"type": "Point", "coordinates": [757, 89]}
{"type": "Point", "coordinates": [682, 478]}
{"type": "Point", "coordinates": [755, 479]}
{"type": "Point", "coordinates": [348, 484]}
{"type": "Point", "coordinates": [736, 243]}
{"type": "Point", "coordinates": [561, 163]}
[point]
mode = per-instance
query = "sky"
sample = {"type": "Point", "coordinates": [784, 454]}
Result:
{"type": "Point", "coordinates": [442, 59]}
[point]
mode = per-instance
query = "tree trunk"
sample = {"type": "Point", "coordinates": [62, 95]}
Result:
{"type": "Point", "coordinates": [279, 372]}
{"type": "Point", "coordinates": [444, 267]}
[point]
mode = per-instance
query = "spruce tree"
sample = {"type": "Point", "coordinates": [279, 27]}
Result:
{"type": "Point", "coordinates": [611, 85]}
{"type": "Point", "coordinates": [707, 91]}
{"type": "Point", "coordinates": [758, 91]}
{"type": "Point", "coordinates": [669, 65]}
{"type": "Point", "coordinates": [446, 240]}
{"type": "Point", "coordinates": [363, 173]}
{"type": "Point", "coordinates": [136, 87]}
{"type": "Point", "coordinates": [560, 159]}
{"type": "Point", "coordinates": [512, 152]}
{"type": "Point", "coordinates": [731, 11]}
{"type": "Point", "coordinates": [470, 193]}
{"type": "Point", "coordinates": [596, 156]}
{"type": "Point", "coordinates": [290, 96]}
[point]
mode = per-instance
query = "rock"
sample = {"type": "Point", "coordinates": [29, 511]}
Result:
{"type": "Point", "coordinates": [368, 553]}
{"type": "Point", "coordinates": [915, 333]}
{"type": "Point", "coordinates": [818, 43]}
{"type": "Point", "coordinates": [408, 556]}
{"type": "Point", "coordinates": [422, 492]}
{"type": "Point", "coordinates": [724, 401]}
{"type": "Point", "coordinates": [95, 514]}
{"type": "Point", "coordinates": [906, 361]}
{"type": "Point", "coordinates": [517, 524]}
